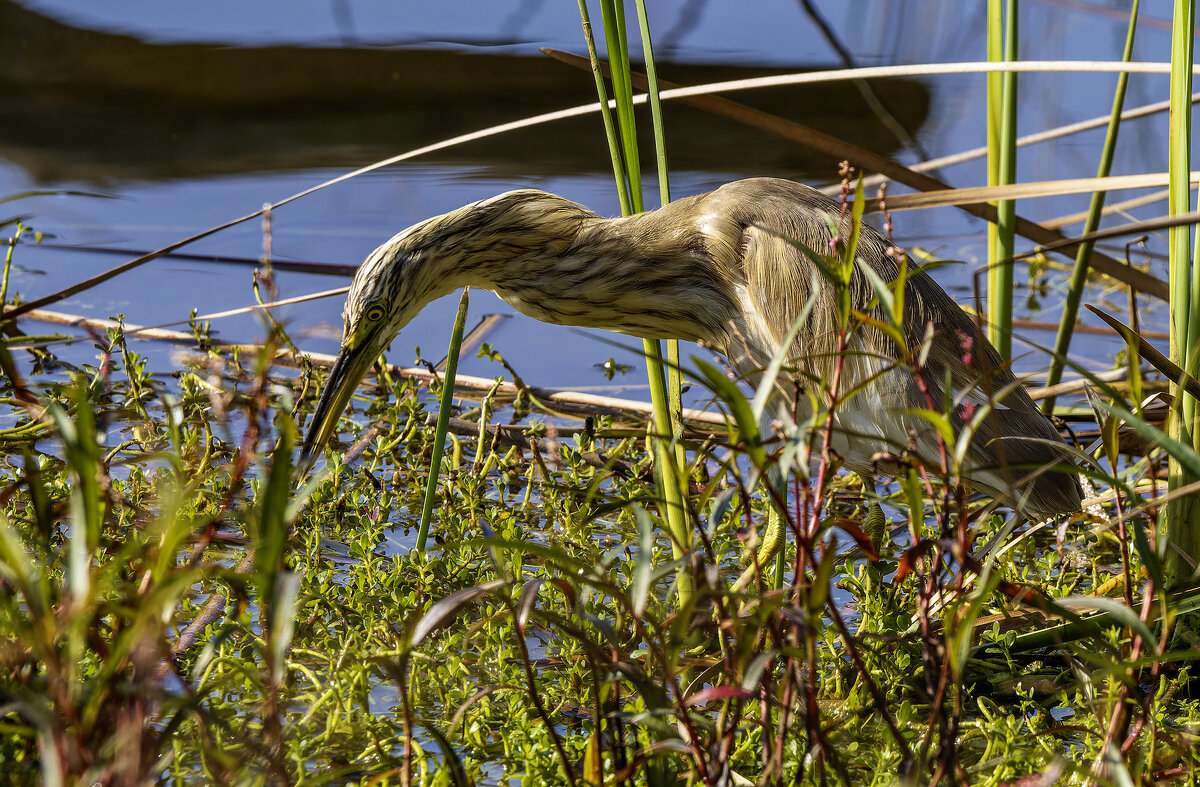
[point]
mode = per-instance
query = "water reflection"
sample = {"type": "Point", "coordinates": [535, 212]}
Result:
{"type": "Point", "coordinates": [89, 105]}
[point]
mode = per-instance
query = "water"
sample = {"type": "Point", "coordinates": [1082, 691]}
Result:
{"type": "Point", "coordinates": [186, 116]}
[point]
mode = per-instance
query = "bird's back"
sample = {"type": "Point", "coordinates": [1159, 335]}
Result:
{"type": "Point", "coordinates": [754, 226]}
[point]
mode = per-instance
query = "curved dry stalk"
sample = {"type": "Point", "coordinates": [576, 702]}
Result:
{"type": "Point", "coordinates": [1039, 188]}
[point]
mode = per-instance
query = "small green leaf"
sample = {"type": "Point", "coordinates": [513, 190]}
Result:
{"type": "Point", "coordinates": [743, 415]}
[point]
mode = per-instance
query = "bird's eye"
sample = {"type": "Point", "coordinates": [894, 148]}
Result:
{"type": "Point", "coordinates": [375, 313]}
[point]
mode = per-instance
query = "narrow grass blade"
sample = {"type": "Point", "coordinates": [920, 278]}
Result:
{"type": "Point", "coordinates": [644, 564]}
{"type": "Point", "coordinates": [18, 572]}
{"type": "Point", "coordinates": [271, 508]}
{"type": "Point", "coordinates": [606, 115]}
{"type": "Point", "coordinates": [1116, 611]}
{"type": "Point", "coordinates": [1146, 350]}
{"type": "Point", "coordinates": [448, 605]}
{"type": "Point", "coordinates": [451, 768]}
{"type": "Point", "coordinates": [78, 433]}
{"type": "Point", "coordinates": [443, 422]}
{"type": "Point", "coordinates": [1179, 451]}
{"type": "Point", "coordinates": [743, 414]}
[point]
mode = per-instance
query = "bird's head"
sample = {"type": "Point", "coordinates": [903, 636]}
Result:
{"type": "Point", "coordinates": [390, 288]}
{"type": "Point", "coordinates": [468, 246]}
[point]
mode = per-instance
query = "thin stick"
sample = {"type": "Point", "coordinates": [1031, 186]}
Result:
{"type": "Point", "coordinates": [295, 266]}
{"type": "Point", "coordinates": [1041, 188]}
{"type": "Point", "coordinates": [1029, 139]}
{"type": "Point", "coordinates": [1109, 209]}
{"type": "Point", "coordinates": [1074, 386]}
{"type": "Point", "coordinates": [464, 385]}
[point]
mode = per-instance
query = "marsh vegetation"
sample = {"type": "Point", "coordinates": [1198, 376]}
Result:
{"type": "Point", "coordinates": [177, 605]}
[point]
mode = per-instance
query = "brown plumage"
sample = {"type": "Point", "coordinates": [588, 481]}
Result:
{"type": "Point", "coordinates": [718, 268]}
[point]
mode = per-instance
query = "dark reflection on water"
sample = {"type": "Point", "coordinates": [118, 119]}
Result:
{"type": "Point", "coordinates": [99, 106]}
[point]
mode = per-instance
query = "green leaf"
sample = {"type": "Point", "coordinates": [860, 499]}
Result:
{"type": "Point", "coordinates": [1150, 559]}
{"type": "Point", "coordinates": [271, 507]}
{"type": "Point", "coordinates": [1117, 611]}
{"type": "Point", "coordinates": [1180, 452]}
{"type": "Point", "coordinates": [770, 375]}
{"type": "Point", "coordinates": [17, 570]}
{"type": "Point", "coordinates": [757, 666]}
{"type": "Point", "coordinates": [819, 592]}
{"type": "Point", "coordinates": [444, 607]}
{"type": "Point", "coordinates": [938, 420]}
{"type": "Point", "coordinates": [643, 566]}
{"type": "Point", "coordinates": [78, 434]}
{"type": "Point", "coordinates": [283, 623]}
{"type": "Point", "coordinates": [729, 393]}
{"type": "Point", "coordinates": [451, 766]}
{"type": "Point", "coordinates": [525, 604]}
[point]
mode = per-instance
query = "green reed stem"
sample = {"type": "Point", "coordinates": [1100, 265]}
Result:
{"type": "Point", "coordinates": [1182, 518]}
{"type": "Point", "coordinates": [8, 258]}
{"type": "Point", "coordinates": [1078, 282]}
{"type": "Point", "coordinates": [1002, 149]}
{"type": "Point", "coordinates": [674, 370]}
{"type": "Point", "coordinates": [610, 129]}
{"type": "Point", "coordinates": [668, 466]}
{"type": "Point", "coordinates": [613, 12]}
{"type": "Point", "coordinates": [656, 117]}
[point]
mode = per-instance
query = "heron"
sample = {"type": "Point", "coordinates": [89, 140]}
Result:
{"type": "Point", "coordinates": [729, 269]}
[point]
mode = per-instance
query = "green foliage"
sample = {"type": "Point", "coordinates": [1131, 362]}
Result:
{"type": "Point", "coordinates": [538, 640]}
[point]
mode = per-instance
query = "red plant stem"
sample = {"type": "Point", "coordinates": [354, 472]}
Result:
{"type": "Point", "coordinates": [817, 501]}
{"type": "Point", "coordinates": [1123, 541]}
{"type": "Point", "coordinates": [531, 679]}
{"type": "Point", "coordinates": [927, 580]}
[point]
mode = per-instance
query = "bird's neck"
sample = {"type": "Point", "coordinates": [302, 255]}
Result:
{"type": "Point", "coordinates": [648, 275]}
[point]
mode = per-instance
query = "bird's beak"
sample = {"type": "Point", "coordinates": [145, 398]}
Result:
{"type": "Point", "coordinates": [347, 372]}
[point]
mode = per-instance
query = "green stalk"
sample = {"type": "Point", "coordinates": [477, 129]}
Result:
{"type": "Point", "coordinates": [613, 12]}
{"type": "Point", "coordinates": [1066, 326]}
{"type": "Point", "coordinates": [1002, 148]}
{"type": "Point", "coordinates": [667, 466]}
{"type": "Point", "coordinates": [1181, 521]}
{"type": "Point", "coordinates": [995, 52]}
{"type": "Point", "coordinates": [610, 129]}
{"type": "Point", "coordinates": [8, 258]}
{"type": "Point", "coordinates": [443, 422]}
{"type": "Point", "coordinates": [674, 370]}
{"type": "Point", "coordinates": [656, 119]}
